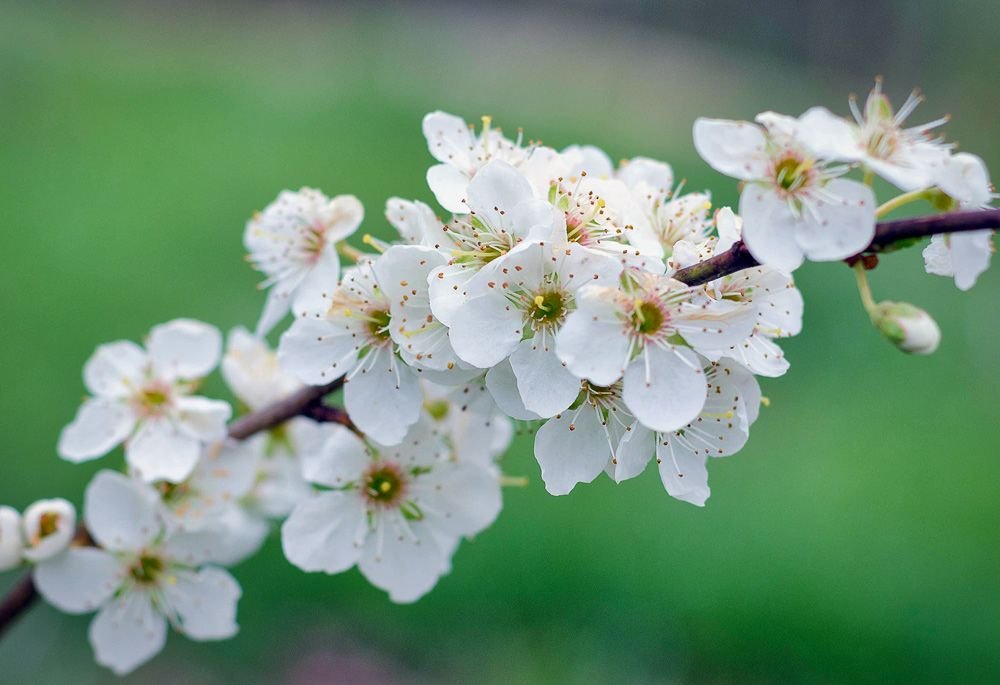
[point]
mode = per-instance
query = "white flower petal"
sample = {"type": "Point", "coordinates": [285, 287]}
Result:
{"type": "Point", "coordinates": [11, 540]}
{"type": "Point", "coordinates": [828, 136]}
{"type": "Point", "coordinates": [495, 191]}
{"type": "Point", "coordinates": [543, 381]}
{"type": "Point", "coordinates": [769, 229]}
{"type": "Point", "coordinates": [961, 255]}
{"type": "Point", "coordinates": [684, 475]}
{"type": "Point", "coordinates": [733, 148]}
{"type": "Point", "coordinates": [846, 225]}
{"type": "Point", "coordinates": [79, 580]}
{"type": "Point", "coordinates": [459, 498]}
{"type": "Point", "coordinates": [161, 451]}
{"type": "Point", "coordinates": [115, 369]}
{"type": "Point", "coordinates": [502, 384]}
{"type": "Point", "coordinates": [341, 460]}
{"type": "Point", "coordinates": [665, 388]}
{"type": "Point", "coordinates": [592, 343]}
{"type": "Point", "coordinates": [99, 426]}
{"type": "Point", "coordinates": [316, 352]}
{"type": "Point", "coordinates": [250, 369]}
{"type": "Point", "coordinates": [203, 418]}
{"type": "Point", "coordinates": [571, 448]}
{"type": "Point", "coordinates": [325, 532]}
{"type": "Point", "coordinates": [485, 329]}
{"type": "Point", "coordinates": [634, 452]}
{"type": "Point", "coordinates": [313, 293]}
{"type": "Point", "coordinates": [964, 177]}
{"type": "Point", "coordinates": [205, 602]}
{"type": "Point", "coordinates": [404, 560]}
{"type": "Point", "coordinates": [277, 304]}
{"type": "Point", "coordinates": [656, 176]}
{"type": "Point", "coordinates": [449, 138]}
{"type": "Point", "coordinates": [120, 514]}
{"type": "Point", "coordinates": [127, 632]}
{"type": "Point", "coordinates": [416, 222]}
{"type": "Point", "coordinates": [184, 348]}
{"type": "Point", "coordinates": [384, 398]}
{"type": "Point", "coordinates": [450, 187]}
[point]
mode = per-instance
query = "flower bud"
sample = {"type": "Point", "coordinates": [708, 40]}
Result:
{"type": "Point", "coordinates": [909, 328]}
{"type": "Point", "coordinates": [49, 527]}
{"type": "Point", "coordinates": [11, 543]}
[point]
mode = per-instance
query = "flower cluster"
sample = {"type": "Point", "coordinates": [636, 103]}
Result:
{"type": "Point", "coordinates": [550, 296]}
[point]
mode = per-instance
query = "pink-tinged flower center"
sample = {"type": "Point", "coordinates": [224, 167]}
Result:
{"type": "Point", "coordinates": [313, 240]}
{"type": "Point", "coordinates": [384, 485]}
{"type": "Point", "coordinates": [153, 399]}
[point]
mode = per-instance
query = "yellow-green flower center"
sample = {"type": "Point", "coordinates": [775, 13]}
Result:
{"type": "Point", "coordinates": [146, 569]}
{"type": "Point", "coordinates": [384, 485]}
{"type": "Point", "coordinates": [378, 325]}
{"type": "Point", "coordinates": [647, 318]}
{"type": "Point", "coordinates": [548, 307]}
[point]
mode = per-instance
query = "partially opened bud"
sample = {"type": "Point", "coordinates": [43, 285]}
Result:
{"type": "Point", "coordinates": [11, 543]}
{"type": "Point", "coordinates": [49, 527]}
{"type": "Point", "coordinates": [910, 328]}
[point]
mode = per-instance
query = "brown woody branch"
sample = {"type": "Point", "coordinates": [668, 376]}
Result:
{"type": "Point", "coordinates": [887, 233]}
{"type": "Point", "coordinates": [307, 401]}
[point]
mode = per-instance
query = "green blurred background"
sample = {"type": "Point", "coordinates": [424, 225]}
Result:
{"type": "Point", "coordinates": [854, 540]}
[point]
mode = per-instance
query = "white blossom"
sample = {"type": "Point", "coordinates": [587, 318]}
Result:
{"type": "Point", "coordinates": [906, 157]}
{"type": "Point", "coordinates": [463, 154]}
{"type": "Point", "coordinates": [395, 512]}
{"type": "Point", "coordinates": [721, 429]}
{"type": "Point", "coordinates": [645, 335]}
{"type": "Point", "coordinates": [348, 333]}
{"type": "Point", "coordinates": [251, 370]}
{"type": "Point", "coordinates": [576, 445]}
{"type": "Point", "coordinates": [140, 579]}
{"type": "Point", "coordinates": [11, 539]}
{"type": "Point", "coordinates": [49, 527]}
{"type": "Point", "coordinates": [772, 294]}
{"type": "Point", "coordinates": [516, 306]}
{"type": "Point", "coordinates": [794, 204]}
{"type": "Point", "coordinates": [143, 397]}
{"type": "Point", "coordinates": [503, 212]}
{"type": "Point", "coordinates": [294, 243]}
{"type": "Point", "coordinates": [963, 256]}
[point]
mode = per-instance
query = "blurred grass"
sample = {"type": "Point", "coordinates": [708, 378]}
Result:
{"type": "Point", "coordinates": [854, 540]}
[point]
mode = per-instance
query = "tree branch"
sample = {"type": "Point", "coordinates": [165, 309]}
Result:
{"type": "Point", "coordinates": [307, 401]}
{"type": "Point", "coordinates": [887, 233]}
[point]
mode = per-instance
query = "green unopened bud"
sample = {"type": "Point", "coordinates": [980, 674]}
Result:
{"type": "Point", "coordinates": [909, 328]}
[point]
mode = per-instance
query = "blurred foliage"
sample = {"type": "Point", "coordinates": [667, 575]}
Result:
{"type": "Point", "coordinates": [853, 540]}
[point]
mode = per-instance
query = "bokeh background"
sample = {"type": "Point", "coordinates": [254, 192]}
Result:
{"type": "Point", "coordinates": [854, 540]}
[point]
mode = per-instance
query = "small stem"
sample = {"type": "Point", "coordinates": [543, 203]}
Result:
{"type": "Point", "coordinates": [864, 288]}
{"type": "Point", "coordinates": [900, 200]}
{"type": "Point", "coordinates": [349, 251]}
{"type": "Point", "coordinates": [869, 178]}
{"type": "Point", "coordinates": [513, 481]}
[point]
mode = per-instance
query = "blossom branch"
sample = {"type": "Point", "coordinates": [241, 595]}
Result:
{"type": "Point", "coordinates": [308, 401]}
{"type": "Point", "coordinates": [887, 233]}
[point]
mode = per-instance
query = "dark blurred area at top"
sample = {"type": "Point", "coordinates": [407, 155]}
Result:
{"type": "Point", "coordinates": [915, 39]}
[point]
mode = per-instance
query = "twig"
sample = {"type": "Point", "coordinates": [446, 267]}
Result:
{"type": "Point", "coordinates": [303, 402]}
{"type": "Point", "coordinates": [887, 233]}
{"type": "Point", "coordinates": [309, 400]}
